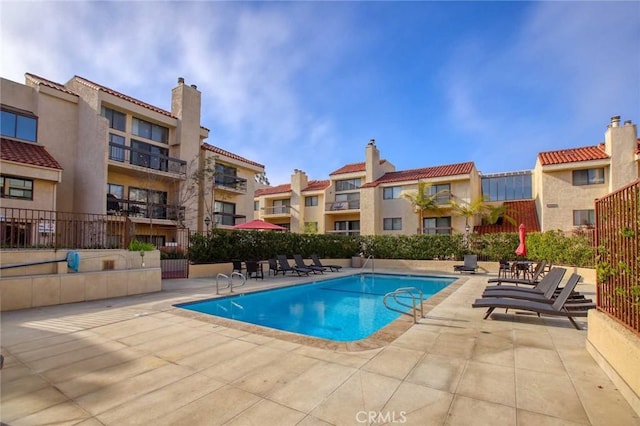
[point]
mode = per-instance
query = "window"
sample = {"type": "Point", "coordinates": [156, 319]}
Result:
{"type": "Point", "coordinates": [149, 203]}
{"type": "Point", "coordinates": [584, 218]}
{"type": "Point", "coordinates": [116, 119]}
{"type": "Point", "coordinates": [392, 223]}
{"type": "Point", "coordinates": [347, 227]}
{"type": "Point", "coordinates": [228, 177]}
{"type": "Point", "coordinates": [391, 192]}
{"type": "Point", "coordinates": [114, 196]}
{"type": "Point", "coordinates": [147, 130]}
{"type": "Point", "coordinates": [18, 126]}
{"type": "Point", "coordinates": [347, 201]}
{"type": "Point", "coordinates": [16, 188]}
{"type": "Point", "coordinates": [281, 206]}
{"type": "Point", "coordinates": [115, 190]}
{"type": "Point", "coordinates": [348, 184]}
{"type": "Point", "coordinates": [150, 156]}
{"type": "Point", "coordinates": [588, 177]}
{"type": "Point", "coordinates": [437, 225]}
{"type": "Point", "coordinates": [311, 201]}
{"type": "Point", "coordinates": [224, 213]}
{"type": "Point", "coordinates": [505, 187]}
{"type": "Point", "coordinates": [256, 206]}
{"type": "Point", "coordinates": [115, 151]}
{"type": "Point", "coordinates": [444, 190]}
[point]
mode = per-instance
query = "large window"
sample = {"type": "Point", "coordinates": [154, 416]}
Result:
{"type": "Point", "coordinates": [444, 192]}
{"type": "Point", "coordinates": [116, 119]}
{"type": "Point", "coordinates": [350, 200]}
{"type": "Point", "coordinates": [348, 184]}
{"type": "Point", "coordinates": [147, 130]}
{"type": "Point", "coordinates": [18, 126]}
{"type": "Point", "coordinates": [281, 206]}
{"type": "Point", "coordinates": [392, 223]}
{"type": "Point", "coordinates": [588, 177]}
{"type": "Point", "coordinates": [148, 203]}
{"type": "Point", "coordinates": [115, 151]}
{"type": "Point", "coordinates": [150, 156]}
{"type": "Point", "coordinates": [506, 187]}
{"type": "Point", "coordinates": [311, 201]}
{"type": "Point", "coordinates": [437, 225]}
{"type": "Point", "coordinates": [584, 218]}
{"type": "Point", "coordinates": [225, 213]}
{"type": "Point", "coordinates": [13, 187]}
{"type": "Point", "coordinates": [347, 227]}
{"type": "Point", "coordinates": [391, 192]}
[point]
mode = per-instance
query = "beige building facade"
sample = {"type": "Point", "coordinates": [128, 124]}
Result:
{"type": "Point", "coordinates": [115, 155]}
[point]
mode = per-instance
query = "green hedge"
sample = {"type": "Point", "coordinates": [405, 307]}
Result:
{"type": "Point", "coordinates": [552, 246]}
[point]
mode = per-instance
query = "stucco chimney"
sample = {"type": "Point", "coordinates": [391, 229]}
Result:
{"type": "Point", "coordinates": [627, 122]}
{"type": "Point", "coordinates": [180, 80]}
{"type": "Point", "coordinates": [373, 170]}
{"type": "Point", "coordinates": [615, 121]}
{"type": "Point", "coordinates": [299, 181]}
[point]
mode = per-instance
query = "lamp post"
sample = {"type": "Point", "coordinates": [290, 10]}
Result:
{"type": "Point", "coordinates": [207, 222]}
{"type": "Point", "coordinates": [466, 233]}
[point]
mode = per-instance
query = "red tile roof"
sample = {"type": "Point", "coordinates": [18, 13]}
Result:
{"type": "Point", "coordinates": [27, 153]}
{"type": "Point", "coordinates": [521, 211]}
{"type": "Point", "coordinates": [573, 155]}
{"type": "Point", "coordinates": [221, 151]}
{"type": "Point", "coordinates": [273, 190]}
{"type": "Point", "coordinates": [317, 185]}
{"type": "Point", "coordinates": [352, 168]}
{"type": "Point", "coordinates": [43, 81]}
{"type": "Point", "coordinates": [423, 173]}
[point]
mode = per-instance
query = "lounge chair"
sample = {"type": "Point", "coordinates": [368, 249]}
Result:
{"type": "Point", "coordinates": [549, 295]}
{"type": "Point", "coordinates": [285, 266]}
{"type": "Point", "coordinates": [254, 269]}
{"type": "Point", "coordinates": [300, 264]}
{"type": "Point", "coordinates": [540, 287]}
{"type": "Point", "coordinates": [316, 262]}
{"type": "Point", "coordinates": [535, 277]}
{"type": "Point", "coordinates": [470, 264]}
{"type": "Point", "coordinates": [273, 267]}
{"type": "Point", "coordinates": [559, 307]}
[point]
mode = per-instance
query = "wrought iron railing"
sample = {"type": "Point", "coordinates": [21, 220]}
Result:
{"type": "Point", "coordinates": [342, 205]}
{"type": "Point", "coordinates": [146, 159]}
{"type": "Point", "coordinates": [277, 210]}
{"type": "Point", "coordinates": [231, 182]}
{"type": "Point", "coordinates": [618, 264]}
{"type": "Point", "coordinates": [143, 209]}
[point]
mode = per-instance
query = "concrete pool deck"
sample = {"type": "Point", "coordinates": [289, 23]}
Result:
{"type": "Point", "coordinates": [139, 360]}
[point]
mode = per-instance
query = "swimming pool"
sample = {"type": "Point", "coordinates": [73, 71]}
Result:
{"type": "Point", "coordinates": [342, 309]}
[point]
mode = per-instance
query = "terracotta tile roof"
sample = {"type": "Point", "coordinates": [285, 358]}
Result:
{"type": "Point", "coordinates": [284, 188]}
{"type": "Point", "coordinates": [43, 81]}
{"type": "Point", "coordinates": [317, 185]}
{"type": "Point", "coordinates": [27, 153]}
{"type": "Point", "coordinates": [521, 211]}
{"type": "Point", "coordinates": [573, 155]}
{"type": "Point", "coordinates": [221, 151]}
{"type": "Point", "coordinates": [423, 173]}
{"type": "Point", "coordinates": [352, 168]}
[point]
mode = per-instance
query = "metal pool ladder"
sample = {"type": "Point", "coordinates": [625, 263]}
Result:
{"type": "Point", "coordinates": [370, 258]}
{"type": "Point", "coordinates": [229, 279]}
{"type": "Point", "coordinates": [411, 291]}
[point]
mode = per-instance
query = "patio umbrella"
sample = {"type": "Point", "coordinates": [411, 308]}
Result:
{"type": "Point", "coordinates": [257, 225]}
{"type": "Point", "coordinates": [522, 248]}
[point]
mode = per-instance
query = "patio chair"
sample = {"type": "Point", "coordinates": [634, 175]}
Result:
{"type": "Point", "coordinates": [540, 287]}
{"type": "Point", "coordinates": [237, 265]}
{"type": "Point", "coordinates": [470, 264]}
{"type": "Point", "coordinates": [535, 277]}
{"type": "Point", "coordinates": [254, 269]}
{"type": "Point", "coordinates": [559, 307]}
{"type": "Point", "coordinates": [549, 295]}
{"type": "Point", "coordinates": [300, 264]}
{"type": "Point", "coordinates": [273, 267]}
{"type": "Point", "coordinates": [316, 262]}
{"type": "Point", "coordinates": [505, 268]}
{"type": "Point", "coordinates": [285, 266]}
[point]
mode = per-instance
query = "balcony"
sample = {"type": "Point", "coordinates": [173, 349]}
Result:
{"type": "Point", "coordinates": [140, 209]}
{"type": "Point", "coordinates": [228, 219]}
{"type": "Point", "coordinates": [230, 183]}
{"type": "Point", "coordinates": [341, 206]}
{"type": "Point", "coordinates": [274, 211]}
{"type": "Point", "coordinates": [147, 160]}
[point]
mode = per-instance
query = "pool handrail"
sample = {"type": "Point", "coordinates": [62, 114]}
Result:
{"type": "Point", "coordinates": [365, 264]}
{"type": "Point", "coordinates": [410, 291]}
{"type": "Point", "coordinates": [237, 274]}
{"type": "Point", "coordinates": [229, 279]}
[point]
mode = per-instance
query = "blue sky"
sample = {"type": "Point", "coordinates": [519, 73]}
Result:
{"type": "Point", "coordinates": [306, 85]}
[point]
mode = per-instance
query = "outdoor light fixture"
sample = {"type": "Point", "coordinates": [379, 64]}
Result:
{"type": "Point", "coordinates": [467, 228]}
{"type": "Point", "coordinates": [207, 222]}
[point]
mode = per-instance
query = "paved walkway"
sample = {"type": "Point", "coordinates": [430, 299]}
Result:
{"type": "Point", "coordinates": [137, 360]}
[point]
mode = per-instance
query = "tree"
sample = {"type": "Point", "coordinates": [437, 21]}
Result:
{"type": "Point", "coordinates": [468, 210]}
{"type": "Point", "coordinates": [423, 200]}
{"type": "Point", "coordinates": [492, 214]}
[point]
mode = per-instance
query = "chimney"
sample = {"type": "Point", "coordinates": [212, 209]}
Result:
{"type": "Point", "coordinates": [372, 162]}
{"type": "Point", "coordinates": [615, 121]}
{"type": "Point", "coordinates": [628, 123]}
{"type": "Point", "coordinates": [180, 80]}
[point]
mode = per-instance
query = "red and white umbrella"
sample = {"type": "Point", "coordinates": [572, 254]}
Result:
{"type": "Point", "coordinates": [259, 225]}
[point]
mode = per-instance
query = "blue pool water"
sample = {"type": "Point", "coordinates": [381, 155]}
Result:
{"type": "Point", "coordinates": [343, 309]}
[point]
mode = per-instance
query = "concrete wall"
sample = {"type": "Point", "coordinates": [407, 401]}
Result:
{"type": "Point", "coordinates": [616, 349]}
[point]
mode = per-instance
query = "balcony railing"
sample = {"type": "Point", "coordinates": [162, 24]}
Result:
{"type": "Point", "coordinates": [228, 219]}
{"type": "Point", "coordinates": [231, 182]}
{"type": "Point", "coordinates": [344, 232]}
{"type": "Point", "coordinates": [275, 210]}
{"type": "Point", "coordinates": [343, 205]}
{"type": "Point", "coordinates": [142, 209]}
{"type": "Point", "coordinates": [126, 154]}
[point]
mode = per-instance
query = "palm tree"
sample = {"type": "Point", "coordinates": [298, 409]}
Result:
{"type": "Point", "coordinates": [493, 213]}
{"type": "Point", "coordinates": [467, 210]}
{"type": "Point", "coordinates": [423, 200]}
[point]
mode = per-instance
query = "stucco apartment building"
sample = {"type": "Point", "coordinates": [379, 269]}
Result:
{"type": "Point", "coordinates": [82, 147]}
{"type": "Point", "coordinates": [365, 198]}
